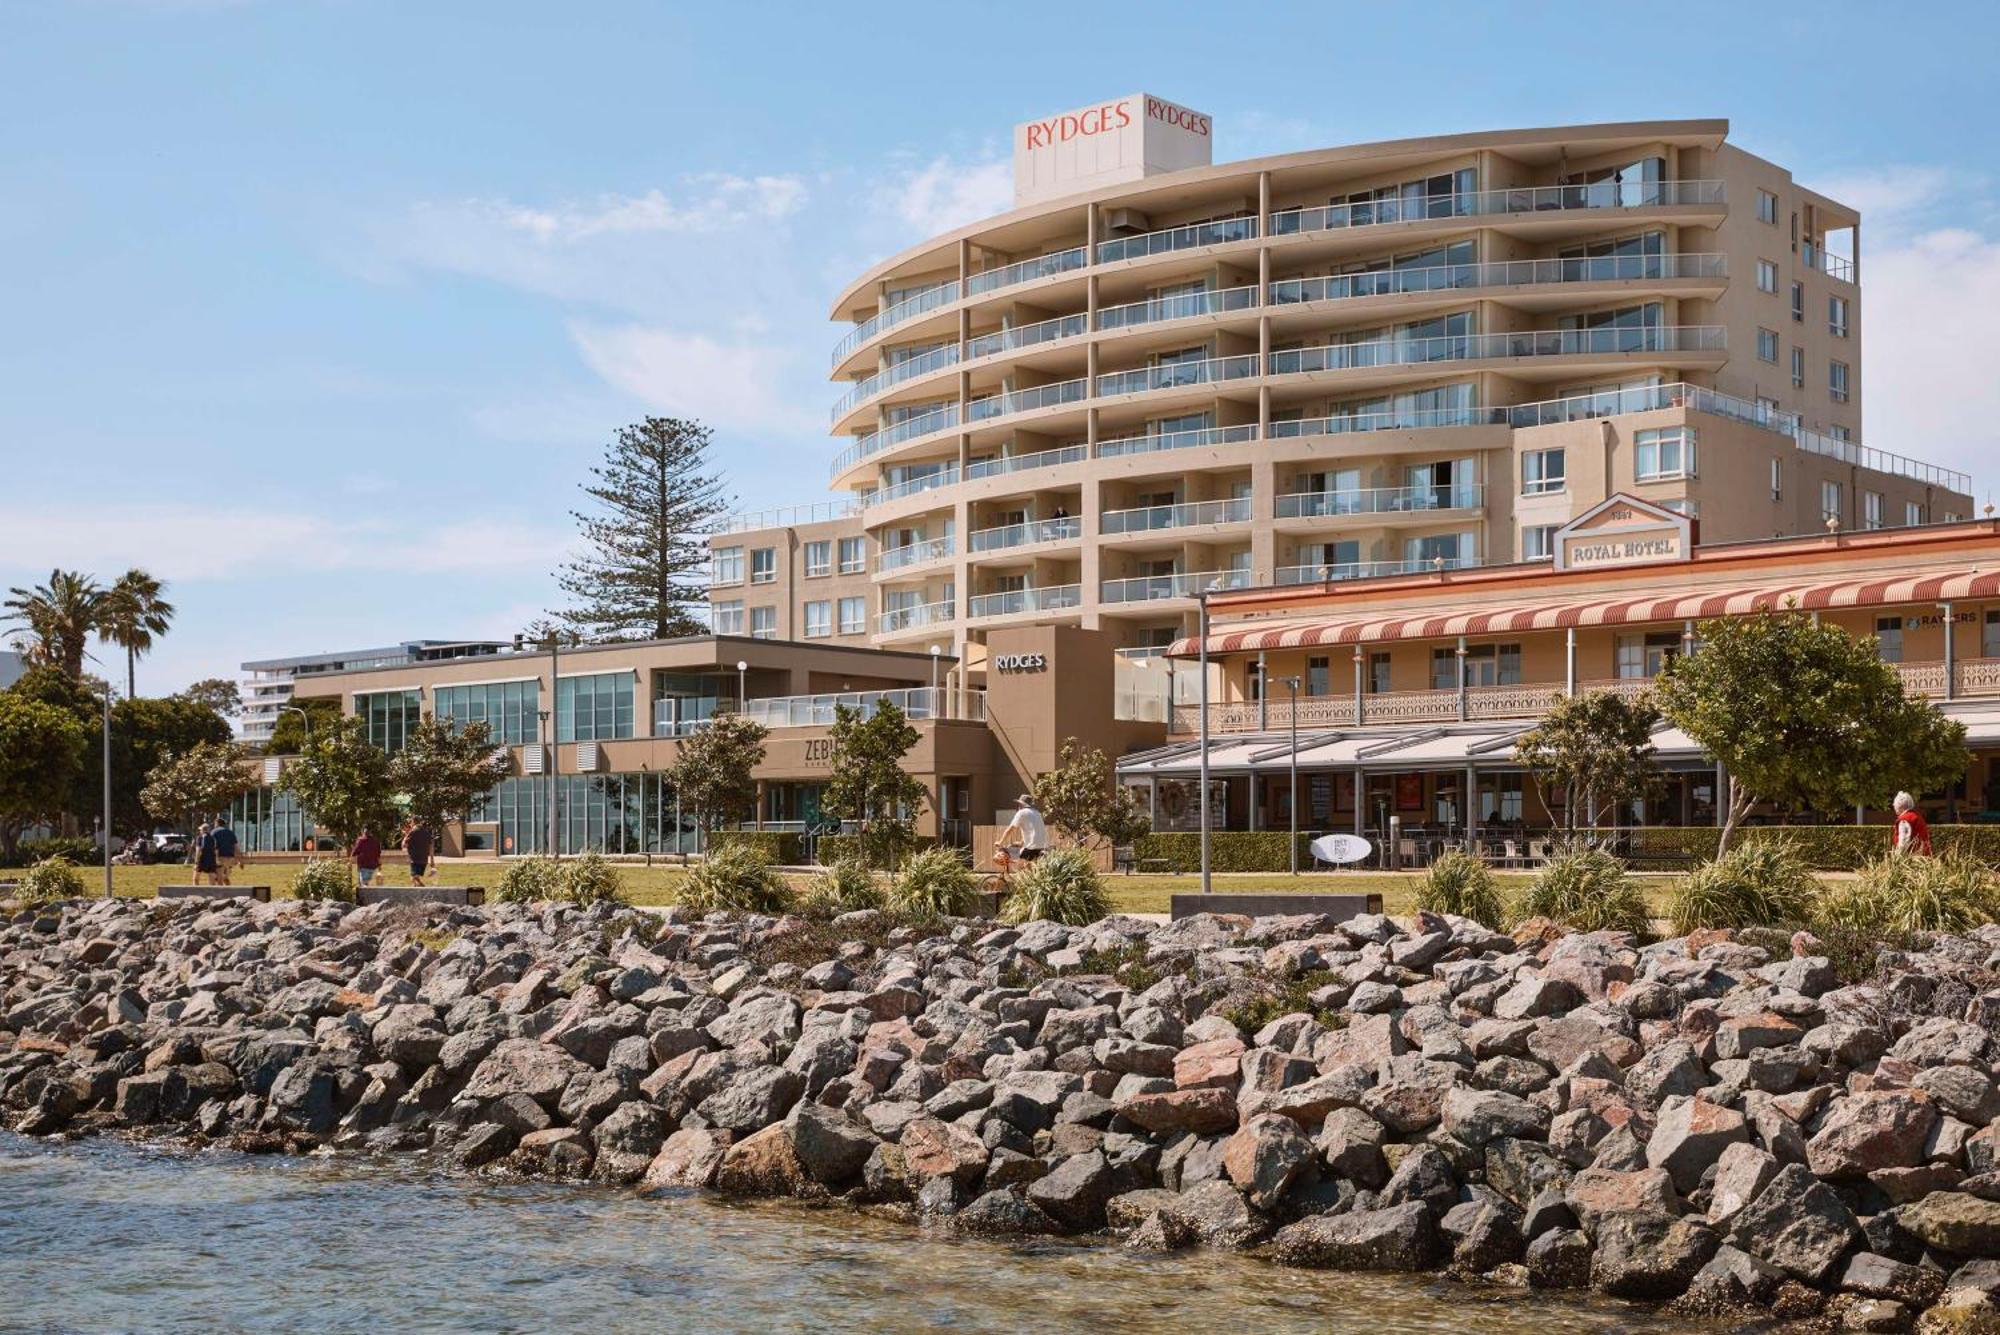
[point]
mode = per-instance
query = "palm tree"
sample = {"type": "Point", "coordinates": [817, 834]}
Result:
{"type": "Point", "coordinates": [133, 612]}
{"type": "Point", "coordinates": [59, 617]}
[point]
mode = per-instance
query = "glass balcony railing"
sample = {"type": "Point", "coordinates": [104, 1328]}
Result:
{"type": "Point", "coordinates": [944, 477]}
{"type": "Point", "coordinates": [1149, 588]}
{"type": "Point", "coordinates": [1025, 400]}
{"type": "Point", "coordinates": [1053, 598]}
{"type": "Point", "coordinates": [1326, 573]}
{"type": "Point", "coordinates": [1026, 336]}
{"type": "Point", "coordinates": [1024, 534]}
{"type": "Point", "coordinates": [915, 554]}
{"type": "Point", "coordinates": [819, 711]}
{"type": "Point", "coordinates": [941, 418]}
{"type": "Point", "coordinates": [1476, 203]}
{"type": "Point", "coordinates": [1505, 273]}
{"type": "Point", "coordinates": [681, 716]}
{"type": "Point", "coordinates": [1379, 501]}
{"type": "Point", "coordinates": [1474, 347]}
{"type": "Point", "coordinates": [1176, 440]}
{"type": "Point", "coordinates": [935, 360]}
{"type": "Point", "coordinates": [1026, 271]}
{"type": "Point", "coordinates": [909, 308]}
{"type": "Point", "coordinates": [898, 619]}
{"type": "Point", "coordinates": [1172, 375]}
{"type": "Point", "coordinates": [1016, 463]}
{"type": "Point", "coordinates": [1168, 239]}
{"type": "Point", "coordinates": [1150, 518]}
{"type": "Point", "coordinates": [1180, 306]}
{"type": "Point", "coordinates": [1391, 419]}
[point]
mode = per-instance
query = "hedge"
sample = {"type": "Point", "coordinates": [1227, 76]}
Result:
{"type": "Point", "coordinates": [783, 847]}
{"type": "Point", "coordinates": [1228, 850]}
{"type": "Point", "coordinates": [80, 851]}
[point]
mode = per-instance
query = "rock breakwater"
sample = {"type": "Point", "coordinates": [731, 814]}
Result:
{"type": "Point", "coordinates": [1702, 1120]}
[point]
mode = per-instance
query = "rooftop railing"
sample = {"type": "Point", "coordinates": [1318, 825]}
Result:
{"type": "Point", "coordinates": [1151, 588]}
{"type": "Point", "coordinates": [1025, 534]}
{"type": "Point", "coordinates": [1168, 239]}
{"type": "Point", "coordinates": [786, 516]}
{"type": "Point", "coordinates": [1149, 518]}
{"type": "Point", "coordinates": [909, 308]}
{"type": "Point", "coordinates": [1379, 501]}
{"type": "Point", "coordinates": [1478, 203]}
{"type": "Point", "coordinates": [1179, 306]}
{"type": "Point", "coordinates": [1828, 263]}
{"type": "Point", "coordinates": [1026, 271]}
{"type": "Point", "coordinates": [1171, 375]}
{"type": "Point", "coordinates": [1027, 336]}
{"type": "Point", "coordinates": [1501, 273]}
{"type": "Point", "coordinates": [1052, 598]}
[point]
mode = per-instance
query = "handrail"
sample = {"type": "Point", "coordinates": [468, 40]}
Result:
{"type": "Point", "coordinates": [1027, 336]}
{"type": "Point", "coordinates": [1526, 343]}
{"type": "Point", "coordinates": [1216, 233]}
{"type": "Point", "coordinates": [941, 418]}
{"type": "Point", "coordinates": [1172, 375]}
{"type": "Point", "coordinates": [944, 477]}
{"type": "Point", "coordinates": [915, 553]}
{"type": "Point", "coordinates": [1049, 598]}
{"type": "Point", "coordinates": [1330, 571]}
{"type": "Point", "coordinates": [1026, 271]}
{"type": "Point", "coordinates": [1379, 500]}
{"type": "Point", "coordinates": [1478, 203]}
{"type": "Point", "coordinates": [1025, 534]}
{"type": "Point", "coordinates": [1025, 400]}
{"type": "Point", "coordinates": [1118, 446]}
{"type": "Point", "coordinates": [918, 703]}
{"type": "Point", "coordinates": [1179, 306]}
{"type": "Point", "coordinates": [785, 516]}
{"type": "Point", "coordinates": [936, 359]}
{"type": "Point", "coordinates": [1147, 588]}
{"type": "Point", "coordinates": [1148, 518]}
{"type": "Point", "coordinates": [1015, 463]}
{"type": "Point", "coordinates": [917, 303]}
{"type": "Point", "coordinates": [1500, 273]}
{"type": "Point", "coordinates": [920, 614]}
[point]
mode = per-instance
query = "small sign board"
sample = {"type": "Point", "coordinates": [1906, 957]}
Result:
{"type": "Point", "coordinates": [1623, 530]}
{"type": "Point", "coordinates": [1341, 849]}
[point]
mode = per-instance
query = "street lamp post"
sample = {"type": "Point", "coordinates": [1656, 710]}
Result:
{"type": "Point", "coordinates": [1201, 797]}
{"type": "Point", "coordinates": [107, 790]}
{"type": "Point", "coordinates": [742, 691]}
{"type": "Point", "coordinates": [542, 736]}
{"type": "Point", "coordinates": [1291, 685]}
{"type": "Point", "coordinates": [554, 752]}
{"type": "Point", "coordinates": [304, 718]}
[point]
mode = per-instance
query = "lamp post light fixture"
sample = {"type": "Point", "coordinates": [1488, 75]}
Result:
{"type": "Point", "coordinates": [304, 718]}
{"type": "Point", "coordinates": [107, 790]}
{"type": "Point", "coordinates": [742, 690]}
{"type": "Point", "coordinates": [936, 651]}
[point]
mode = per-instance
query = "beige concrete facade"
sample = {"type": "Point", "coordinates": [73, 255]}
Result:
{"type": "Point", "coordinates": [1337, 363]}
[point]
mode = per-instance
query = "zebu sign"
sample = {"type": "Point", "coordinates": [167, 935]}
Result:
{"type": "Point", "coordinates": [1107, 142]}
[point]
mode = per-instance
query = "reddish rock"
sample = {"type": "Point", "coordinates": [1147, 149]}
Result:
{"type": "Point", "coordinates": [1864, 1132]}
{"type": "Point", "coordinates": [932, 1148]}
{"type": "Point", "coordinates": [762, 1165]}
{"type": "Point", "coordinates": [1210, 1065]}
{"type": "Point", "coordinates": [1599, 1191]}
{"type": "Point", "coordinates": [1202, 1111]}
{"type": "Point", "coordinates": [1267, 1157]}
{"type": "Point", "coordinates": [689, 1159]}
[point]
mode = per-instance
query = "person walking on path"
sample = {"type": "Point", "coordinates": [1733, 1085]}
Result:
{"type": "Point", "coordinates": [225, 849]}
{"type": "Point", "coordinates": [366, 855]}
{"type": "Point", "coordinates": [417, 843]}
{"type": "Point", "coordinates": [204, 854]}
{"type": "Point", "coordinates": [1913, 832]}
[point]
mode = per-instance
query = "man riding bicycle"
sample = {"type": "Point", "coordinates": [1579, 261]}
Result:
{"type": "Point", "coordinates": [1027, 832]}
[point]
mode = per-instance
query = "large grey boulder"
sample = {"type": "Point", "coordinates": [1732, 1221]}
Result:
{"type": "Point", "coordinates": [1798, 1224]}
{"type": "Point", "coordinates": [1402, 1237]}
{"type": "Point", "coordinates": [1689, 1138]}
{"type": "Point", "coordinates": [1649, 1255]}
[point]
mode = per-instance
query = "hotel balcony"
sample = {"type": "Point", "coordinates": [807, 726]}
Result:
{"type": "Point", "coordinates": [918, 703]}
{"type": "Point", "coordinates": [903, 620]}
{"type": "Point", "coordinates": [1389, 502]}
{"type": "Point", "coordinates": [1161, 518]}
{"type": "Point", "coordinates": [1327, 573]}
{"type": "Point", "coordinates": [1154, 588]}
{"type": "Point", "coordinates": [1032, 533]}
{"type": "Point", "coordinates": [1011, 602]}
{"type": "Point", "coordinates": [915, 554]}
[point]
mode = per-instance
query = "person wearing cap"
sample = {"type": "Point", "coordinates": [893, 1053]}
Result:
{"type": "Point", "coordinates": [1027, 831]}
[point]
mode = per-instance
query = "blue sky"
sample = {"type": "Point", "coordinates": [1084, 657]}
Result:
{"type": "Point", "coordinates": [321, 309]}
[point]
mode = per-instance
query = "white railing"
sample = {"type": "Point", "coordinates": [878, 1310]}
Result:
{"type": "Point", "coordinates": [1027, 336]}
{"type": "Point", "coordinates": [911, 618]}
{"type": "Point", "coordinates": [1389, 420]}
{"type": "Point", "coordinates": [1168, 239]}
{"type": "Point", "coordinates": [1864, 456]}
{"type": "Point", "coordinates": [1172, 375]}
{"type": "Point", "coordinates": [1379, 500]}
{"type": "Point", "coordinates": [1015, 463]}
{"type": "Point", "coordinates": [922, 364]}
{"type": "Point", "coordinates": [1149, 518]}
{"type": "Point", "coordinates": [944, 477]}
{"type": "Point", "coordinates": [1326, 573]}
{"type": "Point", "coordinates": [1833, 266]}
{"type": "Point", "coordinates": [1025, 400]}
{"type": "Point", "coordinates": [1024, 534]}
{"type": "Point", "coordinates": [1501, 273]}
{"type": "Point", "coordinates": [818, 711]}
{"type": "Point", "coordinates": [1475, 203]}
{"type": "Point", "coordinates": [942, 418]}
{"type": "Point", "coordinates": [787, 516]}
{"type": "Point", "coordinates": [909, 308]}
{"type": "Point", "coordinates": [1147, 588]}
{"type": "Point", "coordinates": [1026, 271]}
{"type": "Point", "coordinates": [1052, 598]}
{"type": "Point", "coordinates": [1474, 347]}
{"type": "Point", "coordinates": [1180, 306]}
{"type": "Point", "coordinates": [915, 553]}
{"type": "Point", "coordinates": [1176, 440]}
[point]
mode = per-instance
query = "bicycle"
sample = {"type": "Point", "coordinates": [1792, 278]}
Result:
{"type": "Point", "coordinates": [1000, 881]}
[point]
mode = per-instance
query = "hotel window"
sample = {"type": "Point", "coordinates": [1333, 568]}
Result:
{"type": "Point", "coordinates": [1798, 368]}
{"type": "Point", "coordinates": [388, 716]}
{"type": "Point", "coordinates": [506, 707]}
{"type": "Point", "coordinates": [1839, 432]}
{"type": "Point", "coordinates": [1767, 346]}
{"type": "Point", "coordinates": [1777, 479]}
{"type": "Point", "coordinates": [595, 708]}
{"type": "Point", "coordinates": [1378, 673]}
{"type": "Point", "coordinates": [1871, 509]}
{"type": "Point", "coordinates": [1836, 381]}
{"type": "Point", "coordinates": [1913, 514]}
{"type": "Point", "coordinates": [726, 566]}
{"type": "Point", "coordinates": [853, 556]}
{"type": "Point", "coordinates": [819, 558]}
{"type": "Point", "coordinates": [1836, 316]}
{"type": "Point", "coordinates": [763, 623]}
{"type": "Point", "coordinates": [1538, 542]}
{"type": "Point", "coordinates": [764, 565]}
{"type": "Point", "coordinates": [1767, 207]}
{"type": "Point", "coordinates": [853, 616]}
{"type": "Point", "coordinates": [1542, 472]}
{"type": "Point", "coordinates": [1485, 665]}
{"type": "Point", "coordinates": [819, 619]}
{"type": "Point", "coordinates": [1832, 504]}
{"type": "Point", "coordinates": [1646, 655]}
{"type": "Point", "coordinates": [1799, 303]}
{"type": "Point", "coordinates": [1889, 639]}
{"type": "Point", "coordinates": [1663, 453]}
{"type": "Point", "coordinates": [1319, 676]}
{"type": "Point", "coordinates": [1989, 635]}
{"type": "Point", "coordinates": [727, 618]}
{"type": "Point", "coordinates": [1767, 276]}
{"type": "Point", "coordinates": [1681, 505]}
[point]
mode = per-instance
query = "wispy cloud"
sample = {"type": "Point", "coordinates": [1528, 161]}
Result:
{"type": "Point", "coordinates": [946, 192]}
{"type": "Point", "coordinates": [1892, 198]}
{"type": "Point", "coordinates": [710, 203]}
{"type": "Point", "coordinates": [728, 383]}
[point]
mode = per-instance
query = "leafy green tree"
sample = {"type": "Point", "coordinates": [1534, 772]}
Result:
{"type": "Point", "coordinates": [59, 618]}
{"type": "Point", "coordinates": [657, 498]}
{"type": "Point", "coordinates": [1083, 800]}
{"type": "Point", "coordinates": [1802, 714]}
{"type": "Point", "coordinates": [869, 783]}
{"type": "Point", "coordinates": [713, 771]}
{"type": "Point", "coordinates": [203, 780]}
{"type": "Point", "coordinates": [288, 734]}
{"type": "Point", "coordinates": [445, 768]}
{"type": "Point", "coordinates": [133, 613]}
{"type": "Point", "coordinates": [218, 693]}
{"type": "Point", "coordinates": [42, 751]}
{"type": "Point", "coordinates": [342, 780]}
{"type": "Point", "coordinates": [1596, 749]}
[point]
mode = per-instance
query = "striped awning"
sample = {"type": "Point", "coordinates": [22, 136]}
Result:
{"type": "Point", "coordinates": [1303, 632]}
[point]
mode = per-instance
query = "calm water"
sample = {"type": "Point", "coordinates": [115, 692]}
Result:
{"type": "Point", "coordinates": [111, 1236]}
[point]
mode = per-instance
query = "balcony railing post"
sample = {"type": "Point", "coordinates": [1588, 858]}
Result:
{"type": "Point", "coordinates": [1950, 654]}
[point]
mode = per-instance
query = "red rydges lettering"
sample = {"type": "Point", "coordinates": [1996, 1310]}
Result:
{"type": "Point", "coordinates": [1080, 125]}
{"type": "Point", "coordinates": [1191, 121]}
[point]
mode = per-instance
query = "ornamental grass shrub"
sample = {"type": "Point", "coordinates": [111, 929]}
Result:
{"type": "Point", "coordinates": [737, 879]}
{"type": "Point", "coordinates": [935, 883]}
{"type": "Point", "coordinates": [325, 879]}
{"type": "Point", "coordinates": [844, 887]}
{"type": "Point", "coordinates": [1461, 884]}
{"type": "Point", "coordinates": [1585, 889]}
{"type": "Point", "coordinates": [1765, 883]}
{"type": "Point", "coordinates": [590, 879]}
{"type": "Point", "coordinates": [1900, 893]}
{"type": "Point", "coordinates": [50, 879]}
{"type": "Point", "coordinates": [524, 880]}
{"type": "Point", "coordinates": [1062, 886]}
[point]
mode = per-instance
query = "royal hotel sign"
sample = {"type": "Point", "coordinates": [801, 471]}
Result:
{"type": "Point", "coordinates": [1624, 531]}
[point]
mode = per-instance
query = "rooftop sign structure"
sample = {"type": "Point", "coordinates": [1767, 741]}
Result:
{"type": "Point", "coordinates": [1104, 143]}
{"type": "Point", "coordinates": [1623, 530]}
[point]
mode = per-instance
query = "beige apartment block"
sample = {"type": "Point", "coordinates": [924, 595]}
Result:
{"type": "Point", "coordinates": [1373, 360]}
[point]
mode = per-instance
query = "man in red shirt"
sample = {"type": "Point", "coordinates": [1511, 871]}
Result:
{"type": "Point", "coordinates": [1913, 832]}
{"type": "Point", "coordinates": [366, 856]}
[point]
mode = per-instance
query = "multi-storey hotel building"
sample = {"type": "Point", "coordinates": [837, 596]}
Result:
{"type": "Point", "coordinates": [1158, 376]}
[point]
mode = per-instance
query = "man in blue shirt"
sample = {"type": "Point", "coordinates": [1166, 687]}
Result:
{"type": "Point", "coordinates": [225, 849]}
